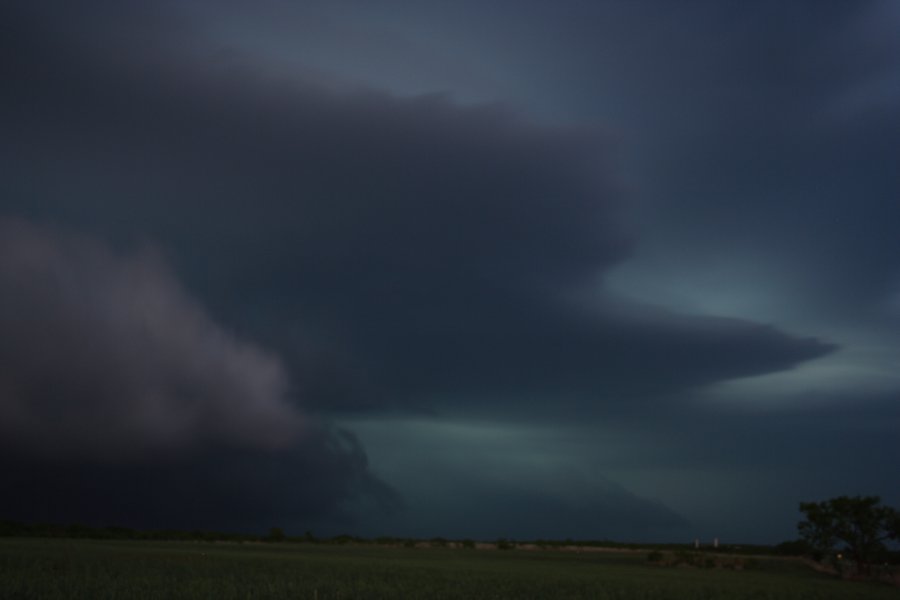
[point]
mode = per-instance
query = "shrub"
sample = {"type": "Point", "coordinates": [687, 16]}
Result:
{"type": "Point", "coordinates": [504, 544]}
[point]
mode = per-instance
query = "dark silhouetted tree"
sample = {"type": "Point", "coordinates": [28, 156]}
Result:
{"type": "Point", "coordinates": [856, 525]}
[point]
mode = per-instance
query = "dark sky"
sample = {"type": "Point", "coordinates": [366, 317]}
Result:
{"type": "Point", "coordinates": [617, 269]}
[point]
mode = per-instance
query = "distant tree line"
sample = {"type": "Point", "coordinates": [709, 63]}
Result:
{"type": "Point", "coordinates": [278, 535]}
{"type": "Point", "coordinates": [836, 530]}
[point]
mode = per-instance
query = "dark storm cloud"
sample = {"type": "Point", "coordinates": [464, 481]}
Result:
{"type": "Point", "coordinates": [318, 480]}
{"type": "Point", "coordinates": [392, 249]}
{"type": "Point", "coordinates": [121, 401]}
{"type": "Point", "coordinates": [599, 359]}
{"type": "Point", "coordinates": [741, 122]}
{"type": "Point", "coordinates": [104, 356]}
{"type": "Point", "coordinates": [775, 120]}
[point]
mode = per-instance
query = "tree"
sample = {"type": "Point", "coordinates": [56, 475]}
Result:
{"type": "Point", "coordinates": [857, 525]}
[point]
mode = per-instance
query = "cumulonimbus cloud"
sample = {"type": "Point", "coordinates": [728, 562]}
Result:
{"type": "Point", "coordinates": [107, 355]}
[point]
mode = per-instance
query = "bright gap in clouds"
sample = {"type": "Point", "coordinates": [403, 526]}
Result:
{"type": "Point", "coordinates": [760, 290]}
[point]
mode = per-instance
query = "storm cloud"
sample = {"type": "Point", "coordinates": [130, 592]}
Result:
{"type": "Point", "coordinates": [225, 248]}
{"type": "Point", "coordinates": [428, 248]}
{"type": "Point", "coordinates": [122, 401]}
{"type": "Point", "coordinates": [106, 355]}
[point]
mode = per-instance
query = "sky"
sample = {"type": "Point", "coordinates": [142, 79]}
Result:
{"type": "Point", "coordinates": [620, 270]}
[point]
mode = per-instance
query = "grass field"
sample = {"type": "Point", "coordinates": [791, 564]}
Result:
{"type": "Point", "coordinates": [48, 568]}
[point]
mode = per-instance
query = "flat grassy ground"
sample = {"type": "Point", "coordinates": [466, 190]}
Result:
{"type": "Point", "coordinates": [61, 568]}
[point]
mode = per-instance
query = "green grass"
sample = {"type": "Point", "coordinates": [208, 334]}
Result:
{"type": "Point", "coordinates": [60, 568]}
